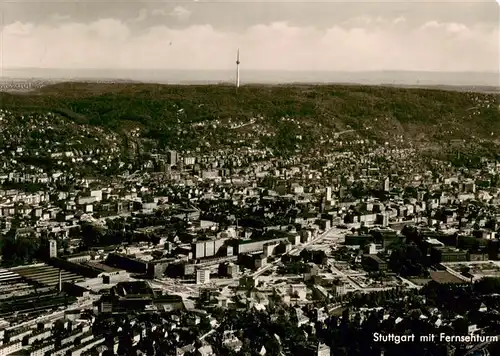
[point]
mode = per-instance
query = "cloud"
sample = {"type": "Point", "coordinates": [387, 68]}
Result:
{"type": "Point", "coordinates": [360, 44]}
{"type": "Point", "coordinates": [160, 12]}
{"type": "Point", "coordinates": [401, 19]}
{"type": "Point", "coordinates": [364, 20]}
{"type": "Point", "coordinates": [58, 17]}
{"type": "Point", "coordinates": [178, 12]}
{"type": "Point", "coordinates": [19, 29]}
{"type": "Point", "coordinates": [141, 16]}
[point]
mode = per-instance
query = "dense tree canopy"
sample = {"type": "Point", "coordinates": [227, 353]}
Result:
{"type": "Point", "coordinates": [19, 251]}
{"type": "Point", "coordinates": [168, 114]}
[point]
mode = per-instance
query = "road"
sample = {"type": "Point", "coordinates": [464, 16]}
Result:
{"type": "Point", "coordinates": [333, 233]}
{"type": "Point", "coordinates": [216, 261]}
{"type": "Point", "coordinates": [457, 274]}
{"type": "Point", "coordinates": [297, 249]}
{"type": "Point", "coordinates": [360, 288]}
{"type": "Point", "coordinates": [175, 287]}
{"type": "Point", "coordinates": [497, 263]}
{"type": "Point", "coordinates": [334, 306]}
{"type": "Point", "coordinates": [337, 134]}
{"type": "Point", "coordinates": [243, 125]}
{"type": "Point", "coordinates": [409, 283]}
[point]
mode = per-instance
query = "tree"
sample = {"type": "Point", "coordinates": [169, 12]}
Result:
{"type": "Point", "coordinates": [155, 240]}
{"type": "Point", "coordinates": [408, 260]}
{"type": "Point", "coordinates": [92, 235]}
{"type": "Point", "coordinates": [488, 285]}
{"type": "Point", "coordinates": [19, 251]}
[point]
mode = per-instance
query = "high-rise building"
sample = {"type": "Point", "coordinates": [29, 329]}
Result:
{"type": "Point", "coordinates": [328, 193]}
{"type": "Point", "coordinates": [52, 248]}
{"type": "Point", "coordinates": [202, 276]}
{"type": "Point", "coordinates": [387, 184]}
{"type": "Point", "coordinates": [172, 158]}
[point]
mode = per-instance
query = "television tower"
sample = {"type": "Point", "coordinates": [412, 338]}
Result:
{"type": "Point", "coordinates": [238, 69]}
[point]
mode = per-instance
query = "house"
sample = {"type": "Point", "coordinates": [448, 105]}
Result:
{"type": "Point", "coordinates": [205, 350]}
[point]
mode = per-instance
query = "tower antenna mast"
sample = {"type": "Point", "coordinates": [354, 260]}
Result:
{"type": "Point", "coordinates": [237, 69]}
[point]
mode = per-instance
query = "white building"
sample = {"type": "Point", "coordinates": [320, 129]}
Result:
{"type": "Point", "coordinates": [387, 184]}
{"type": "Point", "coordinates": [52, 248]}
{"type": "Point", "coordinates": [202, 276]}
{"type": "Point", "coordinates": [323, 350]}
{"type": "Point", "coordinates": [298, 291]}
{"type": "Point", "coordinates": [10, 347]}
{"type": "Point", "coordinates": [328, 194]}
{"type": "Point", "coordinates": [372, 249]}
{"type": "Point", "coordinates": [97, 194]}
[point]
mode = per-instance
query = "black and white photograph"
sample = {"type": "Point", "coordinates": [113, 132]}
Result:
{"type": "Point", "coordinates": [250, 177]}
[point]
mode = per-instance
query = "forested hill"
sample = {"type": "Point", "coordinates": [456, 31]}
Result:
{"type": "Point", "coordinates": [287, 117]}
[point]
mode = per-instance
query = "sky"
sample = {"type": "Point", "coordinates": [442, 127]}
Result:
{"type": "Point", "coordinates": [327, 35]}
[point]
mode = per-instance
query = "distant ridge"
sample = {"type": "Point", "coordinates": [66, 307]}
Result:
{"type": "Point", "coordinates": [274, 116]}
{"type": "Point", "coordinates": [189, 77]}
{"type": "Point", "coordinates": [477, 89]}
{"type": "Point", "coordinates": [35, 84]}
{"type": "Point", "coordinates": [60, 80]}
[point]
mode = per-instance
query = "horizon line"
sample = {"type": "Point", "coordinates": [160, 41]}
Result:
{"type": "Point", "coordinates": [259, 70]}
{"type": "Point", "coordinates": [496, 88]}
